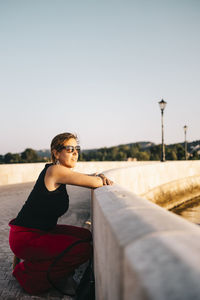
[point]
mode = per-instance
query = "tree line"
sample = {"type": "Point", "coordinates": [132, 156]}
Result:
{"type": "Point", "coordinates": [27, 156]}
{"type": "Point", "coordinates": [135, 151]}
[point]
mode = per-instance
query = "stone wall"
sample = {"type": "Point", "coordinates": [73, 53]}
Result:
{"type": "Point", "coordinates": [167, 184]}
{"type": "Point", "coordinates": [21, 173]}
{"type": "Point", "coordinates": [142, 251]}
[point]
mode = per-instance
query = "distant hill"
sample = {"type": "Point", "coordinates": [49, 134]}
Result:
{"type": "Point", "coordinates": [191, 146]}
{"type": "Point", "coordinates": [144, 145]}
{"type": "Point", "coordinates": [143, 150]}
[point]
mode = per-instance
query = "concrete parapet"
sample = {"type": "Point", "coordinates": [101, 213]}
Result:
{"type": "Point", "coordinates": [175, 192]}
{"type": "Point", "coordinates": [142, 251]}
{"type": "Point", "coordinates": [21, 173]}
{"type": "Point", "coordinates": [101, 166]}
{"type": "Point", "coordinates": [163, 266]}
{"type": "Point", "coordinates": [167, 184]}
{"type": "Point", "coordinates": [142, 178]}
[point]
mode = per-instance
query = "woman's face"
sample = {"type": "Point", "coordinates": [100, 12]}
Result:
{"type": "Point", "coordinates": [68, 159]}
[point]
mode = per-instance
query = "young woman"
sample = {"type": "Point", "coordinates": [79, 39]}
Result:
{"type": "Point", "coordinates": [35, 237]}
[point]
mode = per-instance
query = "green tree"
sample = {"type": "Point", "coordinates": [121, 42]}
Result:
{"type": "Point", "coordinates": [194, 155]}
{"type": "Point", "coordinates": [1, 159]}
{"type": "Point", "coordinates": [113, 153]}
{"type": "Point", "coordinates": [82, 156]}
{"type": "Point", "coordinates": [155, 152]}
{"type": "Point", "coordinates": [171, 154]}
{"type": "Point", "coordinates": [143, 155]}
{"type": "Point", "coordinates": [180, 152]}
{"type": "Point", "coordinates": [10, 158]}
{"type": "Point", "coordinates": [30, 155]}
{"type": "Point", "coordinates": [121, 156]}
{"type": "Point", "coordinates": [134, 151]}
{"type": "Point", "coordinates": [16, 158]}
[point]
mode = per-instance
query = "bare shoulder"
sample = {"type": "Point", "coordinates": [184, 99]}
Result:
{"type": "Point", "coordinates": [52, 176]}
{"type": "Point", "coordinates": [55, 170]}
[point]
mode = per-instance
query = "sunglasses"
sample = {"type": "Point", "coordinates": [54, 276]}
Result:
{"type": "Point", "coordinates": [71, 149]}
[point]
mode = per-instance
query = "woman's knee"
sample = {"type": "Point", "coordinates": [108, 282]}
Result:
{"type": "Point", "coordinates": [87, 233]}
{"type": "Point", "coordinates": [79, 253]}
{"type": "Point", "coordinates": [85, 252]}
{"type": "Point", "coordinates": [78, 232]}
{"type": "Point", "coordinates": [82, 233]}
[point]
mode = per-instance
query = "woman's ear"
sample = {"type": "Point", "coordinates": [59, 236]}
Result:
{"type": "Point", "coordinates": [55, 153]}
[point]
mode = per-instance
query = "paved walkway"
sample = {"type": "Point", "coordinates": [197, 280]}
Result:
{"type": "Point", "coordinates": [12, 197]}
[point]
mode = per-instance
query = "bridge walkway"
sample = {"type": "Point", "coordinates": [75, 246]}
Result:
{"type": "Point", "coordinates": [12, 197]}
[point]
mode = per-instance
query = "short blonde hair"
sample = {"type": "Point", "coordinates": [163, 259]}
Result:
{"type": "Point", "coordinates": [58, 142]}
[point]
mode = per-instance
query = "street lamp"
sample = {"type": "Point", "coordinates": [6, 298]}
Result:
{"type": "Point", "coordinates": [185, 132]}
{"type": "Point", "coordinates": [162, 105]}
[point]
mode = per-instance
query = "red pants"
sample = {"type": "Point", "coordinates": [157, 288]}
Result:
{"type": "Point", "coordinates": [38, 250]}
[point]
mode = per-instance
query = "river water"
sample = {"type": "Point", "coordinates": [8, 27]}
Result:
{"type": "Point", "coordinates": [189, 210]}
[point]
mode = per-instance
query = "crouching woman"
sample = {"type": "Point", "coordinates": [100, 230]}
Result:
{"type": "Point", "coordinates": [35, 237]}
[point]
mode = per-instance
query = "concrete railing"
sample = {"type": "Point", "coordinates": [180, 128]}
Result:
{"type": "Point", "coordinates": [142, 251]}
{"type": "Point", "coordinates": [167, 184]}
{"type": "Point", "coordinates": [20, 173]}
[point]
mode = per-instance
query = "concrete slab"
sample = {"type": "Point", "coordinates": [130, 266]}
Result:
{"type": "Point", "coordinates": [122, 219]}
{"type": "Point", "coordinates": [163, 266]}
{"type": "Point", "coordinates": [130, 217]}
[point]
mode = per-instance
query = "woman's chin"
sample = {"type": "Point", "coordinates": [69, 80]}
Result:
{"type": "Point", "coordinates": [71, 164]}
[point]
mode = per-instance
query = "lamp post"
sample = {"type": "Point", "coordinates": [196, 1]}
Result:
{"type": "Point", "coordinates": [185, 132]}
{"type": "Point", "coordinates": [162, 105]}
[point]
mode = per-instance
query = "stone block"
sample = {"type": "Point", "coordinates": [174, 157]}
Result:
{"type": "Point", "coordinates": [163, 266]}
{"type": "Point", "coordinates": [120, 219]}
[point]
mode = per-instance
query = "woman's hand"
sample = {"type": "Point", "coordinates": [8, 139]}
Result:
{"type": "Point", "coordinates": [105, 180]}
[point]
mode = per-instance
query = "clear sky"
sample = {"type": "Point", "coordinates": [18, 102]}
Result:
{"type": "Point", "coordinates": [98, 68]}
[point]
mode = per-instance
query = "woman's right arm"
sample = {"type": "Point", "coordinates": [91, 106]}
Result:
{"type": "Point", "coordinates": [60, 174]}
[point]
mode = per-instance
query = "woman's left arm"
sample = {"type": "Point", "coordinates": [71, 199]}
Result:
{"type": "Point", "coordinates": [106, 180]}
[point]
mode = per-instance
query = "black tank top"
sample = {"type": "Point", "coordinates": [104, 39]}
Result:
{"type": "Point", "coordinates": [43, 208]}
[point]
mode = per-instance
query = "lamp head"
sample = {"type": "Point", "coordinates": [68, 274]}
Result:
{"type": "Point", "coordinates": [162, 104]}
{"type": "Point", "coordinates": [185, 128]}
